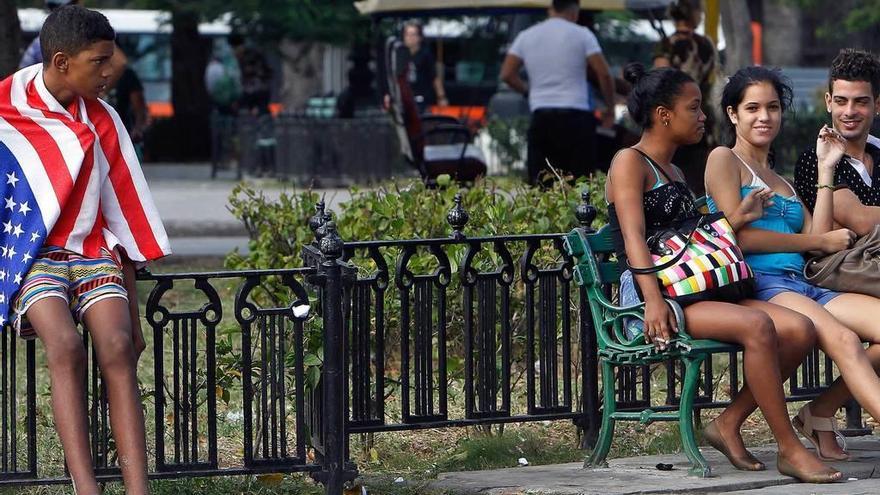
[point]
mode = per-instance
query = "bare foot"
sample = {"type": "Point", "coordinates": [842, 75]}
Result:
{"type": "Point", "coordinates": [802, 464]}
{"type": "Point", "coordinates": [726, 438]}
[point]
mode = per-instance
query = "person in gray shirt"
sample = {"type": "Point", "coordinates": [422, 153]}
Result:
{"type": "Point", "coordinates": [556, 54]}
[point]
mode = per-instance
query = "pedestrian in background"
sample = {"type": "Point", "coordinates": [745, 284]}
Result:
{"type": "Point", "coordinates": [556, 54]}
{"type": "Point", "coordinates": [694, 55]}
{"type": "Point", "coordinates": [424, 78]}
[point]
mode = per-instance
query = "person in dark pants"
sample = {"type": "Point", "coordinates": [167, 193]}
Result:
{"type": "Point", "coordinates": [556, 54]}
{"type": "Point", "coordinates": [566, 137]}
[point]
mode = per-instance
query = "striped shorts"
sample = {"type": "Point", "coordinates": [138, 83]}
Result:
{"type": "Point", "coordinates": [80, 281]}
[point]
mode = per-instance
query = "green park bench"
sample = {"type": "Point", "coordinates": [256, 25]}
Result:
{"type": "Point", "coordinates": [595, 273]}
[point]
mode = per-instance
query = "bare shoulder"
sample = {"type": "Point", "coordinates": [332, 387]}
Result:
{"type": "Point", "coordinates": [721, 155]}
{"type": "Point", "coordinates": [722, 160]}
{"type": "Point", "coordinates": [627, 162]}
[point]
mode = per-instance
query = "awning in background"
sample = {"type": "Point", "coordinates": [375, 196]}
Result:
{"type": "Point", "coordinates": [414, 7]}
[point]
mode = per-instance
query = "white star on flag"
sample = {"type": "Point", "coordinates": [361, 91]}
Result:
{"type": "Point", "coordinates": [5, 249]}
{"type": "Point", "coordinates": [2, 298]}
{"type": "Point", "coordinates": [24, 209]}
{"type": "Point", "coordinates": [34, 236]}
{"type": "Point", "coordinates": [10, 203]}
{"type": "Point", "coordinates": [3, 274]}
{"type": "Point", "coordinates": [27, 257]}
{"type": "Point", "coordinates": [2, 320]}
{"type": "Point", "coordinates": [17, 231]}
{"type": "Point", "coordinates": [17, 278]}
{"type": "Point", "coordinates": [11, 252]}
{"type": "Point", "coordinates": [12, 179]}
{"type": "Point", "coordinates": [7, 227]}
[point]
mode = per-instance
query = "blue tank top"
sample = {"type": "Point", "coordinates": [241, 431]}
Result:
{"type": "Point", "coordinates": [785, 215]}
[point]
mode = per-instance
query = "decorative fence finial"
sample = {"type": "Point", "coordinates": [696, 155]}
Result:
{"type": "Point", "coordinates": [317, 220]}
{"type": "Point", "coordinates": [585, 212]}
{"type": "Point", "coordinates": [457, 217]}
{"type": "Point", "coordinates": [331, 244]}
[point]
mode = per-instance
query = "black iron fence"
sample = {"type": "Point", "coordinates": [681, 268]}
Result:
{"type": "Point", "coordinates": [369, 336]}
{"type": "Point", "coordinates": [313, 151]}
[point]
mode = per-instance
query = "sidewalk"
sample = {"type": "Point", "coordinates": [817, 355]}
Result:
{"type": "Point", "coordinates": [638, 475]}
{"type": "Point", "coordinates": [194, 208]}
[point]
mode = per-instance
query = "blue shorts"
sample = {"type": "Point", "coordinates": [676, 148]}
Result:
{"type": "Point", "coordinates": [633, 327]}
{"type": "Point", "coordinates": [769, 286]}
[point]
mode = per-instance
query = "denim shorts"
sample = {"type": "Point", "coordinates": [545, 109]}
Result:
{"type": "Point", "coordinates": [768, 286]}
{"type": "Point", "coordinates": [633, 327]}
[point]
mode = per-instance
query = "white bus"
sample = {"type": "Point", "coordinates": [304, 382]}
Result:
{"type": "Point", "coordinates": [145, 36]}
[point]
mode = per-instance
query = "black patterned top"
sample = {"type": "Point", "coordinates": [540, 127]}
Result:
{"type": "Point", "coordinates": [664, 206]}
{"type": "Point", "coordinates": [850, 173]}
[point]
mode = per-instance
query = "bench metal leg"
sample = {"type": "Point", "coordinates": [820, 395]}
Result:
{"type": "Point", "coordinates": [606, 433]}
{"type": "Point", "coordinates": [699, 466]}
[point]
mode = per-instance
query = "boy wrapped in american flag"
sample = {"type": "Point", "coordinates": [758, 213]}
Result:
{"type": "Point", "coordinates": [76, 217]}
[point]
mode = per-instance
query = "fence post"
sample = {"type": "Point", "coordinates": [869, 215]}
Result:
{"type": "Point", "coordinates": [590, 420]}
{"type": "Point", "coordinates": [854, 425]}
{"type": "Point", "coordinates": [336, 470]}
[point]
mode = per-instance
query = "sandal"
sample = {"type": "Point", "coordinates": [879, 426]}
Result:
{"type": "Point", "coordinates": [807, 425]}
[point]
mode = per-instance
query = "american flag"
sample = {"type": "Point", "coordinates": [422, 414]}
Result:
{"type": "Point", "coordinates": [70, 178]}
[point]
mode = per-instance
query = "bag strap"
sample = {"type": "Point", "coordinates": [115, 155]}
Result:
{"type": "Point", "coordinates": [654, 164]}
{"type": "Point", "coordinates": [673, 261]}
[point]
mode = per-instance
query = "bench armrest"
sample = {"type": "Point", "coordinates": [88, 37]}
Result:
{"type": "Point", "coordinates": [608, 320]}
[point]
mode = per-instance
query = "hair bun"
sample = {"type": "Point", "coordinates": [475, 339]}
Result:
{"type": "Point", "coordinates": [633, 72]}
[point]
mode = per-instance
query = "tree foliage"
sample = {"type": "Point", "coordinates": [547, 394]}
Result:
{"type": "Point", "coordinates": [334, 21]}
{"type": "Point", "coordinates": [854, 16]}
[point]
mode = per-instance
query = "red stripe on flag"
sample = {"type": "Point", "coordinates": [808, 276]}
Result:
{"type": "Point", "coordinates": [95, 240]}
{"type": "Point", "coordinates": [46, 147]}
{"type": "Point", "coordinates": [123, 185]}
{"type": "Point", "coordinates": [71, 209]}
{"type": "Point", "coordinates": [82, 131]}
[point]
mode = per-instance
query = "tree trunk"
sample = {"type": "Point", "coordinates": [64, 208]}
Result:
{"type": "Point", "coordinates": [192, 106]}
{"type": "Point", "coordinates": [10, 38]}
{"type": "Point", "coordinates": [782, 33]}
{"type": "Point", "coordinates": [737, 34]}
{"type": "Point", "coordinates": [302, 66]}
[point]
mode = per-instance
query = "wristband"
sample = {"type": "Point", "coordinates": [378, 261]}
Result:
{"type": "Point", "coordinates": [825, 186]}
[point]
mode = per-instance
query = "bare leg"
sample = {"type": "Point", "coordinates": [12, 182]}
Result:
{"type": "Point", "coordinates": [109, 323]}
{"type": "Point", "coordinates": [858, 313]}
{"type": "Point", "coordinates": [754, 330]}
{"type": "Point", "coordinates": [844, 347]}
{"type": "Point", "coordinates": [67, 366]}
{"type": "Point", "coordinates": [799, 336]}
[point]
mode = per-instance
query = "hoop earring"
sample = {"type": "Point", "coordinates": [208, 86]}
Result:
{"type": "Point", "coordinates": [665, 123]}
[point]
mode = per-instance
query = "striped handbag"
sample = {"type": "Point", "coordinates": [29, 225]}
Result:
{"type": "Point", "coordinates": [699, 260]}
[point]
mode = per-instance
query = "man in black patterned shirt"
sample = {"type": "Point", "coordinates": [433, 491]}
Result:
{"type": "Point", "coordinates": [852, 100]}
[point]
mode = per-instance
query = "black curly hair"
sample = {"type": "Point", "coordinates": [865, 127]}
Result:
{"type": "Point", "coordinates": [855, 65]}
{"type": "Point", "coordinates": [651, 89]}
{"type": "Point", "coordinates": [71, 29]}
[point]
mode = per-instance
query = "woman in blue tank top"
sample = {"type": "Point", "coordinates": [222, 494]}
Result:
{"type": "Point", "coordinates": [755, 99]}
{"type": "Point", "coordinates": [645, 191]}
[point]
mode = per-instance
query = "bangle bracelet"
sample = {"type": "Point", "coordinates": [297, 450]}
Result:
{"type": "Point", "coordinates": [825, 186]}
